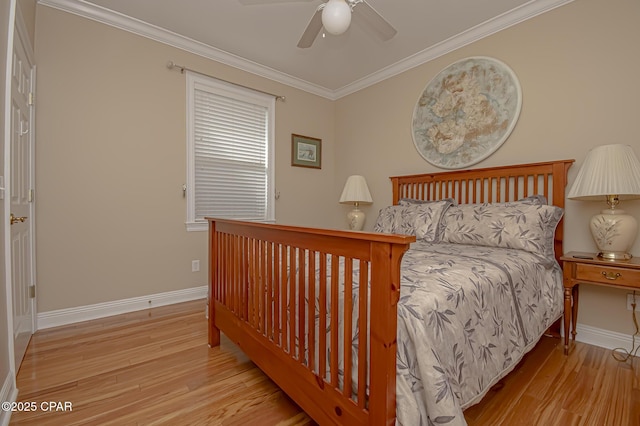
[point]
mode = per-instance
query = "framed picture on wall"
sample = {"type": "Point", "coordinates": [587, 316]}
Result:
{"type": "Point", "coordinates": [306, 151]}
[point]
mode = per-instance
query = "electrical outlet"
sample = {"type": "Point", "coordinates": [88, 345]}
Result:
{"type": "Point", "coordinates": [630, 297]}
{"type": "Point", "coordinates": [195, 265]}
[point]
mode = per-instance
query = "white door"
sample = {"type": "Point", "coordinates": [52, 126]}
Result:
{"type": "Point", "coordinates": [20, 193]}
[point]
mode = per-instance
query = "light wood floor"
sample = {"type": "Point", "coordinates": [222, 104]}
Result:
{"type": "Point", "coordinates": [154, 367]}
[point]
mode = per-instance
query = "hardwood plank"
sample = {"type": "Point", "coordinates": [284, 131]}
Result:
{"type": "Point", "coordinates": [148, 367]}
{"type": "Point", "coordinates": [154, 368]}
{"type": "Point", "coordinates": [588, 388]}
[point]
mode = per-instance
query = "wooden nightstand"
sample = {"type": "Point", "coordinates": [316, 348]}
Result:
{"type": "Point", "coordinates": [579, 267]}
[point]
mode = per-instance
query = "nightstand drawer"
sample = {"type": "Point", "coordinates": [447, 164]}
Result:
{"type": "Point", "coordinates": [608, 275]}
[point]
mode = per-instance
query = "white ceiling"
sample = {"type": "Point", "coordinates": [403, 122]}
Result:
{"type": "Point", "coordinates": [261, 38]}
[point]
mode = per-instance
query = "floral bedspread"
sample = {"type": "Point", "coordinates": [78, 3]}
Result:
{"type": "Point", "coordinates": [466, 317]}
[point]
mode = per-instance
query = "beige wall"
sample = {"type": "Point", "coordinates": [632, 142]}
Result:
{"type": "Point", "coordinates": [111, 162]}
{"type": "Point", "coordinates": [111, 154]}
{"type": "Point", "coordinates": [577, 66]}
{"type": "Point", "coordinates": [28, 12]}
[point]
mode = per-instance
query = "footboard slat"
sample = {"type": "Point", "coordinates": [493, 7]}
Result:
{"type": "Point", "coordinates": [322, 313]}
{"type": "Point", "coordinates": [291, 314]}
{"type": "Point", "coordinates": [270, 291]}
{"type": "Point", "coordinates": [315, 310]}
{"type": "Point", "coordinates": [301, 289]}
{"type": "Point", "coordinates": [363, 342]}
{"type": "Point", "coordinates": [348, 313]}
{"type": "Point", "coordinates": [311, 329]}
{"type": "Point", "coordinates": [333, 311]}
{"type": "Point", "coordinates": [282, 337]}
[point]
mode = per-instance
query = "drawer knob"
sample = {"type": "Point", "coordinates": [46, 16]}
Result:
{"type": "Point", "coordinates": [611, 276]}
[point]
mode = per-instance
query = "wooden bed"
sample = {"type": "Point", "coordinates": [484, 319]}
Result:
{"type": "Point", "coordinates": [262, 279]}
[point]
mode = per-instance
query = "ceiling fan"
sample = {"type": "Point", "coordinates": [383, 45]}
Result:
{"type": "Point", "coordinates": [335, 17]}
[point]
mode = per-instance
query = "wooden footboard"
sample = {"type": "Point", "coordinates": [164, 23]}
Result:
{"type": "Point", "coordinates": [274, 293]}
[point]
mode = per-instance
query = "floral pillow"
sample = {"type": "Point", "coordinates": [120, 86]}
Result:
{"type": "Point", "coordinates": [536, 200]}
{"type": "Point", "coordinates": [518, 225]}
{"type": "Point", "coordinates": [421, 219]}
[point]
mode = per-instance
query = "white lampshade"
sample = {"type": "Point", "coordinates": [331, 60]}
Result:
{"type": "Point", "coordinates": [608, 170]}
{"type": "Point", "coordinates": [336, 16]}
{"type": "Point", "coordinates": [610, 173]}
{"type": "Point", "coordinates": [357, 192]}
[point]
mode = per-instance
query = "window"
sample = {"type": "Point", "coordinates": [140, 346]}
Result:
{"type": "Point", "coordinates": [229, 152]}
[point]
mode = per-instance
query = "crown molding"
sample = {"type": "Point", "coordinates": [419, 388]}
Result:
{"type": "Point", "coordinates": [135, 26]}
{"type": "Point", "coordinates": [97, 13]}
{"type": "Point", "coordinates": [527, 11]}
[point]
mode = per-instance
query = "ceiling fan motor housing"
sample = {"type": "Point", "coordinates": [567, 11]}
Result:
{"type": "Point", "coordinates": [336, 17]}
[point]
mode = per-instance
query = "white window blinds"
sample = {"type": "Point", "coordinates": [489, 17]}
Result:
{"type": "Point", "coordinates": [230, 152]}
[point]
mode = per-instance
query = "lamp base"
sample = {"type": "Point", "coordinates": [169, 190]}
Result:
{"type": "Point", "coordinates": [612, 255]}
{"type": "Point", "coordinates": [356, 219]}
{"type": "Point", "coordinates": [614, 232]}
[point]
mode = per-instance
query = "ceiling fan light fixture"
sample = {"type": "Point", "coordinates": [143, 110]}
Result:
{"type": "Point", "coordinates": [336, 16]}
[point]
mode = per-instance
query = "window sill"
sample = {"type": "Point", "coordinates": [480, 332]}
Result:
{"type": "Point", "coordinates": [197, 226]}
{"type": "Point", "coordinates": [204, 226]}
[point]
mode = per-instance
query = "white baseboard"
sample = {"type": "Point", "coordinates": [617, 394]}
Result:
{"type": "Point", "coordinates": [8, 393]}
{"type": "Point", "coordinates": [100, 310]}
{"type": "Point", "coordinates": [604, 338]}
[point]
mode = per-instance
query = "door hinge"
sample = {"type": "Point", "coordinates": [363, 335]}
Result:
{"type": "Point", "coordinates": [32, 98]}
{"type": "Point", "coordinates": [32, 291]}
{"type": "Point", "coordinates": [31, 195]}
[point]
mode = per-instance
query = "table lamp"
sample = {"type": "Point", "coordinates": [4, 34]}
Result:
{"type": "Point", "coordinates": [357, 192]}
{"type": "Point", "coordinates": [610, 173]}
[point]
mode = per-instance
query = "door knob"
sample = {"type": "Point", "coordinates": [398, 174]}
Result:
{"type": "Point", "coordinates": [13, 219]}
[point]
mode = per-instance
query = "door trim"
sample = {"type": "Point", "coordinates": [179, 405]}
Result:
{"type": "Point", "coordinates": [6, 203]}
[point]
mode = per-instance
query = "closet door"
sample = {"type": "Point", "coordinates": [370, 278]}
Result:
{"type": "Point", "coordinates": [20, 193]}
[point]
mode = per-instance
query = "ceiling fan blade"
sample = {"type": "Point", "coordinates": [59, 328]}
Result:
{"type": "Point", "coordinates": [254, 2]}
{"type": "Point", "coordinates": [375, 20]}
{"type": "Point", "coordinates": [313, 28]}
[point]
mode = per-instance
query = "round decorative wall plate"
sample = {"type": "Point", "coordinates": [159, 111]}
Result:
{"type": "Point", "coordinates": [466, 112]}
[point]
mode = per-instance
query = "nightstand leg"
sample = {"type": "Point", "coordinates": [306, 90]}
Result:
{"type": "Point", "coordinates": [568, 314]}
{"type": "Point", "coordinates": [574, 310]}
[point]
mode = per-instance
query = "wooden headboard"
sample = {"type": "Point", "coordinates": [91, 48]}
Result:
{"type": "Point", "coordinates": [491, 185]}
